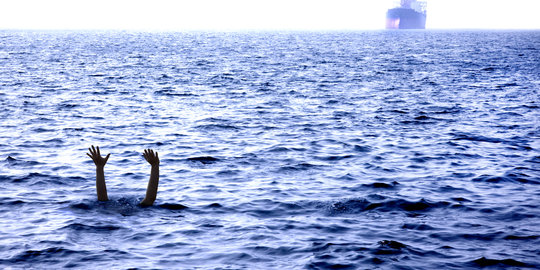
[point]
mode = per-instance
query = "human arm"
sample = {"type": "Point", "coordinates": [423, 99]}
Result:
{"type": "Point", "coordinates": [151, 190]}
{"type": "Point", "coordinates": [100, 162]}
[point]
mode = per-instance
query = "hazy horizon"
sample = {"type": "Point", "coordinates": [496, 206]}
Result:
{"type": "Point", "coordinates": [242, 15]}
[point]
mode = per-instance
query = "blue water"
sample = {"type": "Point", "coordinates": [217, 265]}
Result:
{"type": "Point", "coordinates": [353, 150]}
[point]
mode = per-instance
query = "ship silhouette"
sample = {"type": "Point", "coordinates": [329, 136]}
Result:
{"type": "Point", "coordinates": [409, 14]}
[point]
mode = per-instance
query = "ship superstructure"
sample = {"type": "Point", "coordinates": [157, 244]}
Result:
{"type": "Point", "coordinates": [407, 14]}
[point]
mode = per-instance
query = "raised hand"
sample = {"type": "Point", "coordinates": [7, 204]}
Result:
{"type": "Point", "coordinates": [100, 162]}
{"type": "Point", "coordinates": [153, 182]}
{"type": "Point", "coordinates": [151, 157]}
{"type": "Point", "coordinates": [95, 155]}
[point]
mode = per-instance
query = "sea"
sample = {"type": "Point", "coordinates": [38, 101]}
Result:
{"type": "Point", "coordinates": [279, 150]}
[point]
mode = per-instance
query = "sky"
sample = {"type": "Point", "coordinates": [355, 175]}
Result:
{"type": "Point", "coordinates": [232, 15]}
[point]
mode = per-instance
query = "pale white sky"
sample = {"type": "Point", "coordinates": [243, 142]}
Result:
{"type": "Point", "coordinates": [258, 14]}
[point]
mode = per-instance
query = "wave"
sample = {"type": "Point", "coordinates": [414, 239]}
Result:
{"type": "Point", "coordinates": [485, 262]}
{"type": "Point", "coordinates": [279, 150]}
{"type": "Point", "coordinates": [204, 159]}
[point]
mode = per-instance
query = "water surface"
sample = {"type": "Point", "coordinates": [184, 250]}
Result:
{"type": "Point", "coordinates": [353, 150]}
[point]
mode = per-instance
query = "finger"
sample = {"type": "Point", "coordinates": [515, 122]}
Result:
{"type": "Point", "coordinates": [89, 156]}
{"type": "Point", "coordinates": [157, 156]}
{"type": "Point", "coordinates": [98, 152]}
{"type": "Point", "coordinates": [90, 150]}
{"type": "Point", "coordinates": [107, 157]}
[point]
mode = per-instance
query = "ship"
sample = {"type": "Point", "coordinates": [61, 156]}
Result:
{"type": "Point", "coordinates": [407, 14]}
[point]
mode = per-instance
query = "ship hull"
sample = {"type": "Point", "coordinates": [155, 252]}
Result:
{"type": "Point", "coordinates": [405, 18]}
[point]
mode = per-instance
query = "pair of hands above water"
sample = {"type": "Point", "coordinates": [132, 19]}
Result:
{"type": "Point", "coordinates": [149, 154]}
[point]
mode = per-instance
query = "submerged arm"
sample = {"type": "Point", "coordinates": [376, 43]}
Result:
{"type": "Point", "coordinates": [100, 162]}
{"type": "Point", "coordinates": [151, 190]}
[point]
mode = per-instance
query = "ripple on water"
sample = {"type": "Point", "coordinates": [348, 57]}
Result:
{"type": "Point", "coordinates": [278, 150]}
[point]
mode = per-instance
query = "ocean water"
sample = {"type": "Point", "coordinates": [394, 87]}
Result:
{"type": "Point", "coordinates": [294, 150]}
